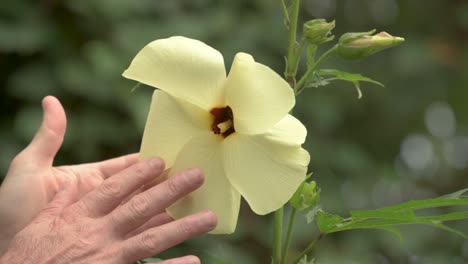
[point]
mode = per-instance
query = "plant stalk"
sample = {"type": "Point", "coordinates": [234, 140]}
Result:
{"type": "Point", "coordinates": [309, 248]}
{"type": "Point", "coordinates": [311, 69]}
{"type": "Point", "coordinates": [290, 76]}
{"type": "Point", "coordinates": [278, 235]}
{"type": "Point", "coordinates": [291, 61]}
{"type": "Point", "coordinates": [292, 217]}
{"type": "Point", "coordinates": [285, 12]}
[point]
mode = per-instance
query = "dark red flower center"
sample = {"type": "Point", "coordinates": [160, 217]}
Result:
{"type": "Point", "coordinates": [223, 121]}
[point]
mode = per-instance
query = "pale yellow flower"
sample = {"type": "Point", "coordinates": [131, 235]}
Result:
{"type": "Point", "coordinates": [236, 129]}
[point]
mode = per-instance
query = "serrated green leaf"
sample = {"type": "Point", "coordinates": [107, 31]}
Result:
{"type": "Point", "coordinates": [401, 214]}
{"type": "Point", "coordinates": [448, 217]}
{"type": "Point", "coordinates": [327, 221]}
{"type": "Point", "coordinates": [428, 203]}
{"type": "Point", "coordinates": [456, 195]}
{"type": "Point", "coordinates": [354, 78]}
{"type": "Point", "coordinates": [346, 76]}
{"type": "Point", "coordinates": [380, 213]}
{"type": "Point", "coordinates": [393, 231]}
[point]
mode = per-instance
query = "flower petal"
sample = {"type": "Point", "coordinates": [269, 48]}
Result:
{"type": "Point", "coordinates": [288, 130]}
{"type": "Point", "coordinates": [265, 172]}
{"type": "Point", "coordinates": [171, 123]}
{"type": "Point", "coordinates": [216, 193]}
{"type": "Point", "coordinates": [185, 68]}
{"type": "Point", "coordinates": [258, 97]}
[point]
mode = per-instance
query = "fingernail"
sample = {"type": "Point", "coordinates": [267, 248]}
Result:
{"type": "Point", "coordinates": [192, 260]}
{"type": "Point", "coordinates": [155, 162]}
{"type": "Point", "coordinates": [209, 219]}
{"type": "Point", "coordinates": [195, 175]}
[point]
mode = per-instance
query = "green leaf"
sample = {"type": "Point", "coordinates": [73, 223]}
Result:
{"type": "Point", "coordinates": [327, 221]}
{"type": "Point", "coordinates": [317, 81]}
{"type": "Point", "coordinates": [401, 214]}
{"type": "Point", "coordinates": [456, 195]}
{"type": "Point", "coordinates": [354, 78]}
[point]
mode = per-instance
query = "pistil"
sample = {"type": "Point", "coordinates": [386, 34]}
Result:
{"type": "Point", "coordinates": [224, 126]}
{"type": "Point", "coordinates": [223, 123]}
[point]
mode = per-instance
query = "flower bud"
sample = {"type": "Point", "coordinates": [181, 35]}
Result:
{"type": "Point", "coordinates": [318, 31]}
{"type": "Point", "coordinates": [306, 196]}
{"type": "Point", "coordinates": [358, 45]}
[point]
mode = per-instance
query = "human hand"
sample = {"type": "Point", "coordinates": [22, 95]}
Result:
{"type": "Point", "coordinates": [32, 181]}
{"type": "Point", "coordinates": [102, 228]}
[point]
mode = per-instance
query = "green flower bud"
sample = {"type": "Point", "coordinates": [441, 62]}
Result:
{"type": "Point", "coordinates": [354, 46]}
{"type": "Point", "coordinates": [318, 31]}
{"type": "Point", "coordinates": [306, 196]}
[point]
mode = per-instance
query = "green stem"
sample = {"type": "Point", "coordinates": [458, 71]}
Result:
{"type": "Point", "coordinates": [309, 248]}
{"type": "Point", "coordinates": [277, 235]}
{"type": "Point", "coordinates": [311, 69]}
{"type": "Point", "coordinates": [291, 65]}
{"type": "Point", "coordinates": [292, 216]}
{"type": "Point", "coordinates": [285, 12]}
{"type": "Point", "coordinates": [290, 76]}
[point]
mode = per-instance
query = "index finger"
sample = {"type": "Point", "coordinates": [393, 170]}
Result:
{"type": "Point", "coordinates": [115, 189]}
{"type": "Point", "coordinates": [111, 166]}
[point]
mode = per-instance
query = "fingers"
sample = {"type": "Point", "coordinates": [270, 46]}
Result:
{"type": "Point", "coordinates": [110, 167]}
{"type": "Point", "coordinates": [148, 185]}
{"type": "Point", "coordinates": [115, 189]}
{"type": "Point", "coordinates": [158, 220]}
{"type": "Point", "coordinates": [181, 260]}
{"type": "Point", "coordinates": [49, 137]}
{"type": "Point", "coordinates": [163, 237]}
{"type": "Point", "coordinates": [154, 201]}
{"type": "Point", "coordinates": [156, 181]}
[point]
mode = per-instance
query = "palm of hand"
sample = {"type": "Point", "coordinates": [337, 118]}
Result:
{"type": "Point", "coordinates": [32, 182]}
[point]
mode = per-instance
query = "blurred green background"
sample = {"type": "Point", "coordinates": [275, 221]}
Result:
{"type": "Point", "coordinates": [408, 140]}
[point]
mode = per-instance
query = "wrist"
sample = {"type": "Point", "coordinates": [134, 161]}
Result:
{"type": "Point", "coordinates": [6, 258]}
{"type": "Point", "coordinates": [5, 238]}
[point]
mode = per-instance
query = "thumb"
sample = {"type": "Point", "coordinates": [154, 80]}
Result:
{"type": "Point", "coordinates": [49, 137]}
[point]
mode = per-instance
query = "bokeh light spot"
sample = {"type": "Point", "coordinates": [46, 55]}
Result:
{"type": "Point", "coordinates": [417, 152]}
{"type": "Point", "coordinates": [440, 120]}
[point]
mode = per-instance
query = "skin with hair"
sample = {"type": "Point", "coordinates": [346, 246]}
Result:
{"type": "Point", "coordinates": [107, 212]}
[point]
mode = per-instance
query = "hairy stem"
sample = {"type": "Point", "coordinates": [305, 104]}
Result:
{"type": "Point", "coordinates": [311, 69]}
{"type": "Point", "coordinates": [285, 12]}
{"type": "Point", "coordinates": [309, 248]}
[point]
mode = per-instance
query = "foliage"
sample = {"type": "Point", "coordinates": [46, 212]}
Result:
{"type": "Point", "coordinates": [402, 214]}
{"type": "Point", "coordinates": [353, 78]}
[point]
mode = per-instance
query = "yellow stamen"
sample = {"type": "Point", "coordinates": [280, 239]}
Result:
{"type": "Point", "coordinates": [224, 126]}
